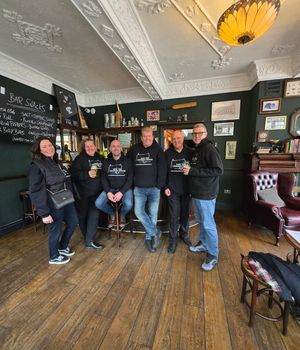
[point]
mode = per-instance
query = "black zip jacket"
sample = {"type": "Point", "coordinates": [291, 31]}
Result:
{"type": "Point", "coordinates": [86, 185]}
{"type": "Point", "coordinates": [46, 174]}
{"type": "Point", "coordinates": [285, 273]}
{"type": "Point", "coordinates": [206, 167]}
{"type": "Point", "coordinates": [149, 165]}
{"type": "Point", "coordinates": [117, 174]}
{"type": "Point", "coordinates": [176, 181]}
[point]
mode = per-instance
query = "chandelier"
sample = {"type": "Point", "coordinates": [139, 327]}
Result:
{"type": "Point", "coordinates": [247, 20]}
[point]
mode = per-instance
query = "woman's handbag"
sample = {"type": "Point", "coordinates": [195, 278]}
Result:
{"type": "Point", "coordinates": [61, 198]}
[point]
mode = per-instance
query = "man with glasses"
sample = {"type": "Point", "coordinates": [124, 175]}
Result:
{"type": "Point", "coordinates": [204, 171]}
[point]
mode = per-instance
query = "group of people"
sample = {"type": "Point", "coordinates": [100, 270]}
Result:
{"type": "Point", "coordinates": [133, 179]}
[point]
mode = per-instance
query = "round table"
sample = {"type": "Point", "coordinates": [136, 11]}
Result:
{"type": "Point", "coordinates": [295, 244]}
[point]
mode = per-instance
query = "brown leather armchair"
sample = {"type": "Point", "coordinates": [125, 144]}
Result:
{"type": "Point", "coordinates": [272, 216]}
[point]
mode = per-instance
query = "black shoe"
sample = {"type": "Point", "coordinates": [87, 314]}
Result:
{"type": "Point", "coordinates": [149, 246]}
{"type": "Point", "coordinates": [186, 240]}
{"type": "Point", "coordinates": [172, 247]}
{"type": "Point", "coordinates": [156, 239]}
{"type": "Point", "coordinates": [95, 245]}
{"type": "Point", "coordinates": [61, 259]}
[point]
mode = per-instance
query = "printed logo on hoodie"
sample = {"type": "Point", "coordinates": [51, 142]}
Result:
{"type": "Point", "coordinates": [115, 170]}
{"type": "Point", "coordinates": [176, 165]}
{"type": "Point", "coordinates": [95, 163]}
{"type": "Point", "coordinates": [143, 159]}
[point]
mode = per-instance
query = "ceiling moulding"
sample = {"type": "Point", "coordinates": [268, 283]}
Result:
{"type": "Point", "coordinates": [193, 11]}
{"type": "Point", "coordinates": [296, 64]}
{"type": "Point", "coordinates": [224, 84]}
{"type": "Point", "coordinates": [32, 34]}
{"type": "Point", "coordinates": [110, 97]}
{"type": "Point", "coordinates": [13, 69]}
{"type": "Point", "coordinates": [275, 68]}
{"type": "Point", "coordinates": [104, 17]}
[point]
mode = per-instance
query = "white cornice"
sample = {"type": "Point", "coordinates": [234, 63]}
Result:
{"type": "Point", "coordinates": [278, 68]}
{"type": "Point", "coordinates": [110, 97]}
{"type": "Point", "coordinates": [218, 85]}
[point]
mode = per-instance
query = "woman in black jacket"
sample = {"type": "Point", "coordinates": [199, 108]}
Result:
{"type": "Point", "coordinates": [46, 174]}
{"type": "Point", "coordinates": [86, 169]}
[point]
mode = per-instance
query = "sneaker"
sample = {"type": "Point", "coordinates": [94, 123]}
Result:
{"type": "Point", "coordinates": [209, 263]}
{"type": "Point", "coordinates": [122, 223]}
{"type": "Point", "coordinates": [95, 245]}
{"type": "Point", "coordinates": [156, 239]}
{"type": "Point", "coordinates": [111, 222]}
{"type": "Point", "coordinates": [66, 252]}
{"type": "Point", "coordinates": [186, 240]}
{"type": "Point", "coordinates": [61, 259]}
{"type": "Point", "coordinates": [198, 248]}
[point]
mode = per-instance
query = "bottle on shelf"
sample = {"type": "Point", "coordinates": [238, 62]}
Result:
{"type": "Point", "coordinates": [142, 122]}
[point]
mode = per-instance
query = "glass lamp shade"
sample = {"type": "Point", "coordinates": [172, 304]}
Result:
{"type": "Point", "coordinates": [247, 20]}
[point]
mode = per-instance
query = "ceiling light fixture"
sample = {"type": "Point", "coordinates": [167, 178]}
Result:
{"type": "Point", "coordinates": [247, 20]}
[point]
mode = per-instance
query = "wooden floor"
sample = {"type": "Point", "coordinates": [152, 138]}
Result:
{"type": "Point", "coordinates": [127, 298]}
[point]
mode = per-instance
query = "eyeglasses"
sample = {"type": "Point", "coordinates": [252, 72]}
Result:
{"type": "Point", "coordinates": [200, 133]}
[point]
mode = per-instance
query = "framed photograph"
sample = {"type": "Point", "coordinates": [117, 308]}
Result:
{"type": "Point", "coordinates": [275, 123]}
{"type": "Point", "coordinates": [267, 105]}
{"type": "Point", "coordinates": [67, 104]}
{"type": "Point", "coordinates": [225, 110]}
{"type": "Point", "coordinates": [292, 88]}
{"type": "Point", "coordinates": [262, 136]}
{"type": "Point", "coordinates": [224, 129]}
{"type": "Point", "coordinates": [230, 149]}
{"type": "Point", "coordinates": [153, 115]}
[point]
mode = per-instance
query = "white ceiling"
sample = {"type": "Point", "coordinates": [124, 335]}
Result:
{"type": "Point", "coordinates": [138, 50]}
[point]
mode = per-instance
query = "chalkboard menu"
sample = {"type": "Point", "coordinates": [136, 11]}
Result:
{"type": "Point", "coordinates": [23, 119]}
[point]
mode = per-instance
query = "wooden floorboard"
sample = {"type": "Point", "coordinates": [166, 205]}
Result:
{"type": "Point", "coordinates": [128, 299]}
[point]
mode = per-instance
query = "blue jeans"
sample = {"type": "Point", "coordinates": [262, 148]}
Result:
{"type": "Point", "coordinates": [67, 214]}
{"type": "Point", "coordinates": [103, 204]}
{"type": "Point", "coordinates": [146, 208]}
{"type": "Point", "coordinates": [208, 234]}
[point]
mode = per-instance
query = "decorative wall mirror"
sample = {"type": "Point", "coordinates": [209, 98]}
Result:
{"type": "Point", "coordinates": [295, 123]}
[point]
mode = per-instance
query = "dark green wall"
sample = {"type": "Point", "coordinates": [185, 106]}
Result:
{"type": "Point", "coordinates": [233, 176]}
{"type": "Point", "coordinates": [15, 159]}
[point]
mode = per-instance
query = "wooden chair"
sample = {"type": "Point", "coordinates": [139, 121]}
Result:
{"type": "Point", "coordinates": [258, 287]}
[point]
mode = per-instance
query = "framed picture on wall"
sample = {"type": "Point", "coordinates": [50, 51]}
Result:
{"type": "Point", "coordinates": [67, 104]}
{"type": "Point", "coordinates": [275, 123]}
{"type": "Point", "coordinates": [225, 110]}
{"type": "Point", "coordinates": [292, 88]}
{"type": "Point", "coordinates": [262, 136]}
{"type": "Point", "coordinates": [270, 105]}
{"type": "Point", "coordinates": [230, 149]}
{"type": "Point", "coordinates": [153, 116]}
{"type": "Point", "coordinates": [223, 129]}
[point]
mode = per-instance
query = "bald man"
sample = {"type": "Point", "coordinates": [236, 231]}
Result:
{"type": "Point", "coordinates": [117, 176]}
{"type": "Point", "coordinates": [177, 191]}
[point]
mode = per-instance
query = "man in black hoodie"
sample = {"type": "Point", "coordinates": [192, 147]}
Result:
{"type": "Point", "coordinates": [149, 178]}
{"type": "Point", "coordinates": [85, 171]}
{"type": "Point", "coordinates": [177, 190]}
{"type": "Point", "coordinates": [203, 175]}
{"type": "Point", "coordinates": [117, 178]}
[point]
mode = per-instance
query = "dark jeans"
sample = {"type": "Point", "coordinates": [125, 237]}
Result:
{"type": "Point", "coordinates": [67, 214]}
{"type": "Point", "coordinates": [179, 208]}
{"type": "Point", "coordinates": [88, 216]}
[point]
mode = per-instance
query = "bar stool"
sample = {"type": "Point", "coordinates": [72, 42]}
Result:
{"type": "Point", "coordinates": [258, 287]}
{"type": "Point", "coordinates": [117, 206]}
{"type": "Point", "coordinates": [29, 211]}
